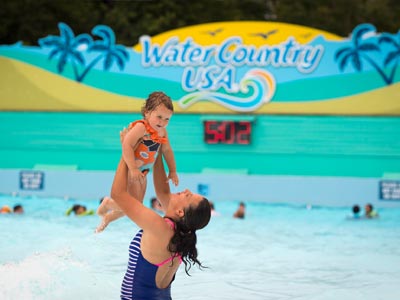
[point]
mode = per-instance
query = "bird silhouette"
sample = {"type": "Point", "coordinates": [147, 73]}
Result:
{"type": "Point", "coordinates": [306, 35]}
{"type": "Point", "coordinates": [265, 35]}
{"type": "Point", "coordinates": [213, 32]}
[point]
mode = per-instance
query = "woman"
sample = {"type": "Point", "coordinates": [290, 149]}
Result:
{"type": "Point", "coordinates": [158, 249]}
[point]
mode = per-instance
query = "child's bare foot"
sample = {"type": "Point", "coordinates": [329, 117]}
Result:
{"type": "Point", "coordinates": [109, 217]}
{"type": "Point", "coordinates": [103, 224]}
{"type": "Point", "coordinates": [104, 206]}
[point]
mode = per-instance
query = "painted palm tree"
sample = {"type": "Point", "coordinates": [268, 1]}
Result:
{"type": "Point", "coordinates": [67, 48]}
{"type": "Point", "coordinates": [358, 52]}
{"type": "Point", "coordinates": [392, 56]}
{"type": "Point", "coordinates": [110, 52]}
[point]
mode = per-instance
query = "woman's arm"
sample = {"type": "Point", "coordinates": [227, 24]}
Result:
{"type": "Point", "coordinates": [161, 183]}
{"type": "Point", "coordinates": [144, 217]}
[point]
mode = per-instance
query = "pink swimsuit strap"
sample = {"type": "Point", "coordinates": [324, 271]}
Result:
{"type": "Point", "coordinates": [173, 256]}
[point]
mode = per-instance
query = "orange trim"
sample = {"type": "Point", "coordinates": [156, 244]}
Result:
{"type": "Point", "coordinates": [153, 133]}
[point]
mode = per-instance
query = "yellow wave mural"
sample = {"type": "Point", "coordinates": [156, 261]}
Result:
{"type": "Point", "coordinates": [27, 88]}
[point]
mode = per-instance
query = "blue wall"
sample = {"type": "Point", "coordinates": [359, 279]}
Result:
{"type": "Point", "coordinates": [326, 191]}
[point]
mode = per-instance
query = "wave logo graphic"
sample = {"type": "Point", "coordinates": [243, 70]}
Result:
{"type": "Point", "coordinates": [256, 88]}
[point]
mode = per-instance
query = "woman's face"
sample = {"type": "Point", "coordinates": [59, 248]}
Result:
{"type": "Point", "coordinates": [185, 199]}
{"type": "Point", "coordinates": [159, 117]}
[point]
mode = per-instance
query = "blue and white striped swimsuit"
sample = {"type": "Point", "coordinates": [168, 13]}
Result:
{"type": "Point", "coordinates": [140, 279]}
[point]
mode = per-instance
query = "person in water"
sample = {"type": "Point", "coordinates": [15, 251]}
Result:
{"type": "Point", "coordinates": [370, 213]}
{"type": "Point", "coordinates": [79, 210]}
{"type": "Point", "coordinates": [164, 242]}
{"type": "Point", "coordinates": [356, 211]}
{"type": "Point", "coordinates": [155, 204]}
{"type": "Point", "coordinates": [18, 209]}
{"type": "Point", "coordinates": [240, 212]}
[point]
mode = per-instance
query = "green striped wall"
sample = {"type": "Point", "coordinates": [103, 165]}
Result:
{"type": "Point", "coordinates": [281, 145]}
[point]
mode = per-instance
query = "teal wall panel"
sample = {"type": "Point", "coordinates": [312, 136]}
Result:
{"type": "Point", "coordinates": [281, 145]}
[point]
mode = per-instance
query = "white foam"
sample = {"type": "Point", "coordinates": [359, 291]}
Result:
{"type": "Point", "coordinates": [40, 274]}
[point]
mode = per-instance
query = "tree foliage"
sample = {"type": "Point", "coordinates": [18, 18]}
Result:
{"type": "Point", "coordinates": [30, 20]}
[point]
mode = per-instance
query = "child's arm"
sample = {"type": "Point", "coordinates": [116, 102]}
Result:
{"type": "Point", "coordinates": [161, 184]}
{"type": "Point", "coordinates": [129, 144]}
{"type": "Point", "coordinates": [170, 160]}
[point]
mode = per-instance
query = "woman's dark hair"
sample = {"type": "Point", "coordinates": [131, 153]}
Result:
{"type": "Point", "coordinates": [154, 100]}
{"type": "Point", "coordinates": [184, 239]}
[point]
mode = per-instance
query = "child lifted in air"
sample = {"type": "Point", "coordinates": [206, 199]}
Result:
{"type": "Point", "coordinates": [140, 148]}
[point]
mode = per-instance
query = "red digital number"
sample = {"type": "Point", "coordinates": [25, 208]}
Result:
{"type": "Point", "coordinates": [243, 134]}
{"type": "Point", "coordinates": [227, 132]}
{"type": "Point", "coordinates": [212, 132]}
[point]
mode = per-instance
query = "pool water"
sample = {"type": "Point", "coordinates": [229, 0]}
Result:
{"type": "Point", "coordinates": [277, 252]}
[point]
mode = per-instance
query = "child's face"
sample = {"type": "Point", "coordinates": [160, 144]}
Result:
{"type": "Point", "coordinates": [159, 118]}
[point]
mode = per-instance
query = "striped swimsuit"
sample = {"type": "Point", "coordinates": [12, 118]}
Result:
{"type": "Point", "coordinates": [139, 282]}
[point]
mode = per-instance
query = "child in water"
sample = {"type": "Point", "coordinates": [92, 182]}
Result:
{"type": "Point", "coordinates": [140, 148]}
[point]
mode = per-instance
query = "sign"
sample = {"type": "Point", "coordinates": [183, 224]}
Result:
{"type": "Point", "coordinates": [31, 180]}
{"type": "Point", "coordinates": [224, 67]}
{"type": "Point", "coordinates": [389, 190]}
{"type": "Point", "coordinates": [203, 189]}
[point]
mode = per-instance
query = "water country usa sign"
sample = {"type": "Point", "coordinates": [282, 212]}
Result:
{"type": "Point", "coordinates": [225, 67]}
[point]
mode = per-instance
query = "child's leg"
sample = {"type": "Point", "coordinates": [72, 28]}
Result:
{"type": "Point", "coordinates": [106, 205]}
{"type": "Point", "coordinates": [109, 217]}
{"type": "Point", "coordinates": [137, 190]}
{"type": "Point", "coordinates": [109, 211]}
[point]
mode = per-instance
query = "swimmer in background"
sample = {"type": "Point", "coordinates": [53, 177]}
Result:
{"type": "Point", "coordinates": [143, 142]}
{"type": "Point", "coordinates": [370, 213]}
{"type": "Point", "coordinates": [5, 210]}
{"type": "Point", "coordinates": [18, 209]}
{"type": "Point", "coordinates": [355, 212]}
{"type": "Point", "coordinates": [240, 212]}
{"type": "Point", "coordinates": [155, 204]}
{"type": "Point", "coordinates": [79, 210]}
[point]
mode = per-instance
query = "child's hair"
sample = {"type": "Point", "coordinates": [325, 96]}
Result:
{"type": "Point", "coordinates": [154, 100]}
